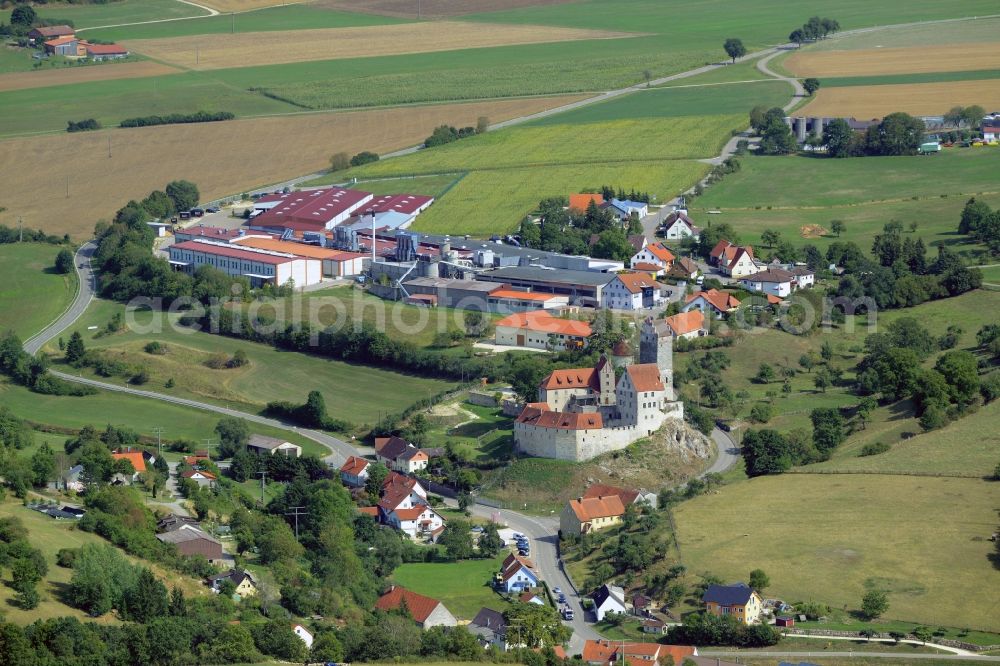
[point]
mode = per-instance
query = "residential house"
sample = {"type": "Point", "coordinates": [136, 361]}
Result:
{"type": "Point", "coordinates": [191, 540]}
{"type": "Point", "coordinates": [46, 32]}
{"type": "Point", "coordinates": [655, 255]}
{"type": "Point", "coordinates": [742, 263]}
{"type": "Point", "coordinates": [990, 126]}
{"type": "Point", "coordinates": [738, 600]}
{"type": "Point", "coordinates": [531, 598]}
{"type": "Point", "coordinates": [805, 277]}
{"type": "Point", "coordinates": [608, 599]}
{"type": "Point", "coordinates": [399, 455]}
{"type": "Point", "coordinates": [686, 325]}
{"type": "Point", "coordinates": [773, 281]}
{"type": "Point", "coordinates": [652, 625]}
{"type": "Point", "coordinates": [540, 330]}
{"type": "Point", "coordinates": [72, 481]}
{"type": "Point", "coordinates": [354, 472]}
{"type": "Point", "coordinates": [425, 611]}
{"type": "Point", "coordinates": [195, 458]}
{"type": "Point", "coordinates": [304, 634]}
{"type": "Point", "coordinates": [580, 202]}
{"type": "Point", "coordinates": [490, 628]}
{"type": "Point", "coordinates": [626, 495]}
{"type": "Point", "coordinates": [684, 269]}
{"type": "Point", "coordinates": [631, 291]}
{"type": "Point", "coordinates": [637, 241]}
{"type": "Point", "coordinates": [712, 301]}
{"type": "Point", "coordinates": [172, 521]}
{"type": "Point", "coordinates": [138, 465]}
{"type": "Point", "coordinates": [622, 209]}
{"type": "Point", "coordinates": [678, 226]}
{"type": "Point", "coordinates": [640, 604]}
{"type": "Point", "coordinates": [590, 514]}
{"type": "Point", "coordinates": [419, 521]}
{"type": "Point", "coordinates": [262, 445]}
{"type": "Point", "coordinates": [517, 573]}
{"type": "Point", "coordinates": [245, 585]}
{"type": "Point", "coordinates": [395, 480]}
{"type": "Point", "coordinates": [612, 653]}
{"type": "Point", "coordinates": [203, 478]}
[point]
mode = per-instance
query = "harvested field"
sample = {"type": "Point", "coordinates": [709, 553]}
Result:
{"type": "Point", "coordinates": [67, 75]}
{"type": "Point", "coordinates": [430, 8]}
{"type": "Point", "coordinates": [922, 99]}
{"type": "Point", "coordinates": [270, 48]}
{"type": "Point", "coordinates": [909, 60]}
{"type": "Point", "coordinates": [226, 162]}
{"type": "Point", "coordinates": [227, 6]}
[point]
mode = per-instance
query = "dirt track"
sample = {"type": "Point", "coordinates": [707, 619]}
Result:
{"type": "Point", "coordinates": [870, 62]}
{"type": "Point", "coordinates": [268, 48]}
{"type": "Point", "coordinates": [83, 74]}
{"type": "Point", "coordinates": [218, 157]}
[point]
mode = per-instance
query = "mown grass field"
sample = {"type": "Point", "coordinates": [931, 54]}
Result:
{"type": "Point", "coordinates": [832, 538]}
{"type": "Point", "coordinates": [463, 587]}
{"type": "Point", "coordinates": [49, 535]}
{"type": "Point", "coordinates": [727, 73]}
{"type": "Point", "coordinates": [125, 11]}
{"type": "Point", "coordinates": [787, 194]}
{"type": "Point", "coordinates": [934, 34]}
{"type": "Point", "coordinates": [286, 17]}
{"type": "Point", "coordinates": [32, 294]}
{"type": "Point", "coordinates": [923, 77]}
{"type": "Point", "coordinates": [356, 393]}
{"type": "Point", "coordinates": [493, 201]}
{"type": "Point", "coordinates": [228, 161]}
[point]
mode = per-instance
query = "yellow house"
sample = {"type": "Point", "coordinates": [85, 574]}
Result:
{"type": "Point", "coordinates": [737, 600]}
{"type": "Point", "coordinates": [589, 514]}
{"type": "Point", "coordinates": [243, 580]}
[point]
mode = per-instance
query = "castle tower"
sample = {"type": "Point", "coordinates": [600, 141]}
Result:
{"type": "Point", "coordinates": [657, 346]}
{"type": "Point", "coordinates": [621, 354]}
{"type": "Point", "coordinates": [605, 381]}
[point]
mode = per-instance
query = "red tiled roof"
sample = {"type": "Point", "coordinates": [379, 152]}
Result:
{"type": "Point", "coordinates": [59, 41]}
{"type": "Point", "coordinates": [571, 378]}
{"type": "Point", "coordinates": [542, 321]}
{"type": "Point", "coordinates": [514, 563]}
{"type": "Point", "coordinates": [53, 30]}
{"type": "Point", "coordinates": [191, 473]}
{"type": "Point", "coordinates": [686, 322]}
{"type": "Point", "coordinates": [645, 377]}
{"type": "Point", "coordinates": [369, 511]}
{"type": "Point", "coordinates": [354, 466]}
{"type": "Point", "coordinates": [560, 420]}
{"type": "Point", "coordinates": [636, 282]}
{"type": "Point", "coordinates": [719, 248]}
{"type": "Point", "coordinates": [646, 266]}
{"type": "Point", "coordinates": [626, 495]}
{"type": "Point", "coordinates": [721, 300]}
{"type": "Point", "coordinates": [580, 202]}
{"type": "Point", "coordinates": [589, 508]}
{"type": "Point", "coordinates": [733, 254]}
{"type": "Point", "coordinates": [420, 607]}
{"type": "Point", "coordinates": [298, 249]}
{"type": "Point", "coordinates": [660, 251]}
{"type": "Point", "coordinates": [134, 457]}
{"type": "Point", "coordinates": [231, 252]}
{"type": "Point", "coordinates": [412, 513]}
{"type": "Point", "coordinates": [609, 652]}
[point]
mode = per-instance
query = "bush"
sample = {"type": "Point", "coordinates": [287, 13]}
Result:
{"type": "Point", "coordinates": [874, 449]}
{"type": "Point", "coordinates": [64, 261]}
{"type": "Point", "coordinates": [178, 118]}
{"type": "Point", "coordinates": [65, 557]}
{"type": "Point", "coordinates": [761, 413]}
{"type": "Point", "coordinates": [339, 162]}
{"type": "Point", "coordinates": [82, 125]}
{"type": "Point", "coordinates": [155, 348]}
{"type": "Point", "coordinates": [364, 157]}
{"type": "Point", "coordinates": [217, 361]}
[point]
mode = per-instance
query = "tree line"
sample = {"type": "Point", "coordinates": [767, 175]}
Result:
{"type": "Point", "coordinates": [82, 125]}
{"type": "Point", "coordinates": [443, 134]}
{"type": "Point", "coordinates": [813, 29]}
{"type": "Point", "coordinates": [178, 119]}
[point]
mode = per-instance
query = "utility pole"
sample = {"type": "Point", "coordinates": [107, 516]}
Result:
{"type": "Point", "coordinates": [159, 433]}
{"type": "Point", "coordinates": [197, 55]}
{"type": "Point", "coordinates": [263, 476]}
{"type": "Point", "coordinates": [67, 186]}
{"type": "Point", "coordinates": [418, 10]}
{"type": "Point", "coordinates": [109, 136]}
{"type": "Point", "coordinates": [20, 230]}
{"type": "Point", "coordinates": [295, 512]}
{"type": "Point", "coordinates": [208, 446]}
{"type": "Point", "coordinates": [233, 14]}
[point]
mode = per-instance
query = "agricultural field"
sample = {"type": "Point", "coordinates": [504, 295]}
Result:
{"type": "Point", "coordinates": [270, 48]}
{"type": "Point", "coordinates": [432, 186]}
{"type": "Point", "coordinates": [231, 163]}
{"type": "Point", "coordinates": [832, 538]}
{"type": "Point", "coordinates": [32, 294]}
{"type": "Point", "coordinates": [946, 33]}
{"type": "Point", "coordinates": [49, 536]}
{"type": "Point", "coordinates": [356, 393]}
{"type": "Point", "coordinates": [799, 196]}
{"type": "Point", "coordinates": [72, 75]}
{"type": "Point", "coordinates": [727, 73]}
{"type": "Point", "coordinates": [463, 587]}
{"type": "Point", "coordinates": [900, 60]}
{"type": "Point", "coordinates": [432, 8]}
{"type": "Point", "coordinates": [919, 99]}
{"type": "Point", "coordinates": [87, 16]}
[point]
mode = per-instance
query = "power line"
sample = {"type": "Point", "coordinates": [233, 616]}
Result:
{"type": "Point", "coordinates": [263, 476]}
{"type": "Point", "coordinates": [295, 512]}
{"type": "Point", "coordinates": [159, 434]}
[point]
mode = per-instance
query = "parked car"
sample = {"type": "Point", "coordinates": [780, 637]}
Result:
{"type": "Point", "coordinates": [562, 598]}
{"type": "Point", "coordinates": [567, 613]}
{"type": "Point", "coordinates": [212, 209]}
{"type": "Point", "coordinates": [197, 212]}
{"type": "Point", "coordinates": [557, 590]}
{"type": "Point", "coordinates": [524, 553]}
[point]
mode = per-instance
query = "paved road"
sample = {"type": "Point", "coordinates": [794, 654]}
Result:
{"type": "Point", "coordinates": [85, 294]}
{"type": "Point", "coordinates": [728, 453]}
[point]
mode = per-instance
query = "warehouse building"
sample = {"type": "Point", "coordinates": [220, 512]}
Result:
{"type": "Point", "coordinates": [581, 287]}
{"type": "Point", "coordinates": [336, 263]}
{"type": "Point", "coordinates": [260, 266]}
{"type": "Point", "coordinates": [309, 210]}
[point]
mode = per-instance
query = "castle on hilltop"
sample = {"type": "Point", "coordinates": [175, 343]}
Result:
{"type": "Point", "coordinates": [584, 412]}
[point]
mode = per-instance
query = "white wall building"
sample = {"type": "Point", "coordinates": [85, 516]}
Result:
{"type": "Point", "coordinates": [259, 266]}
{"type": "Point", "coordinates": [631, 291]}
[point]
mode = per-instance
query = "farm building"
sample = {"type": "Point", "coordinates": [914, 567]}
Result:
{"type": "Point", "coordinates": [310, 209]}
{"type": "Point", "coordinates": [540, 330]}
{"type": "Point", "coordinates": [581, 287]}
{"type": "Point", "coordinates": [64, 46]}
{"type": "Point", "coordinates": [263, 445]}
{"type": "Point", "coordinates": [105, 51]}
{"type": "Point", "coordinates": [336, 263]}
{"type": "Point", "coordinates": [191, 540]}
{"type": "Point", "coordinates": [260, 266]}
{"type": "Point", "coordinates": [46, 32]}
{"type": "Point", "coordinates": [514, 300]}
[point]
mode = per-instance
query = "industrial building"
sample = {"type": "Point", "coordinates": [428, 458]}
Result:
{"type": "Point", "coordinates": [308, 210]}
{"type": "Point", "coordinates": [336, 263]}
{"type": "Point", "coordinates": [580, 287]}
{"type": "Point", "coordinates": [260, 266]}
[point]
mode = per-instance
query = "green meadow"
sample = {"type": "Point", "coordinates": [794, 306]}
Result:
{"type": "Point", "coordinates": [32, 294]}
{"type": "Point", "coordinates": [463, 587]}
{"type": "Point", "coordinates": [112, 13]}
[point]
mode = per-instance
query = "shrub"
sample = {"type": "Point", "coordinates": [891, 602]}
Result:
{"type": "Point", "coordinates": [82, 125]}
{"type": "Point", "coordinates": [364, 157]}
{"type": "Point", "coordinates": [178, 118]}
{"type": "Point", "coordinates": [217, 361]}
{"type": "Point", "coordinates": [155, 348]}
{"type": "Point", "coordinates": [874, 449]}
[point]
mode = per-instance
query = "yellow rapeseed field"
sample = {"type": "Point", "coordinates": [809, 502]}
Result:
{"type": "Point", "coordinates": [906, 60]}
{"type": "Point", "coordinates": [922, 99]}
{"type": "Point", "coordinates": [65, 75]}
{"type": "Point", "coordinates": [268, 48]}
{"type": "Point", "coordinates": [222, 158]}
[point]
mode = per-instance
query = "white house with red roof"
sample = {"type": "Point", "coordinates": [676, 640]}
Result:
{"type": "Point", "coordinates": [259, 266]}
{"type": "Point", "coordinates": [652, 255]}
{"type": "Point", "coordinates": [584, 412]}
{"type": "Point", "coordinates": [399, 455]}
{"type": "Point", "coordinates": [540, 330]}
{"type": "Point", "coordinates": [690, 324]}
{"type": "Point", "coordinates": [711, 302]}
{"type": "Point", "coordinates": [404, 506]}
{"type": "Point", "coordinates": [678, 226]}
{"type": "Point", "coordinates": [425, 611]}
{"type": "Point", "coordinates": [631, 291]}
{"type": "Point", "coordinates": [517, 573]}
{"type": "Point", "coordinates": [354, 472]}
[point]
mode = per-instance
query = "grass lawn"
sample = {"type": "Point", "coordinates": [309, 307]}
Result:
{"type": "Point", "coordinates": [791, 643]}
{"type": "Point", "coordinates": [138, 414]}
{"type": "Point", "coordinates": [463, 587]}
{"type": "Point", "coordinates": [354, 392]}
{"type": "Point", "coordinates": [839, 620]}
{"type": "Point", "coordinates": [123, 11]}
{"type": "Point", "coordinates": [991, 274]}
{"type": "Point", "coordinates": [432, 186]}
{"type": "Point", "coordinates": [49, 535]}
{"type": "Point", "coordinates": [32, 294]}
{"type": "Point", "coordinates": [483, 432]}
{"type": "Point", "coordinates": [744, 71]}
{"type": "Point", "coordinates": [286, 17]}
{"type": "Point", "coordinates": [832, 538]}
